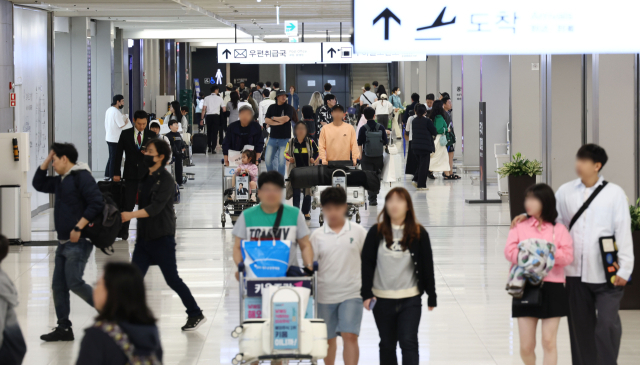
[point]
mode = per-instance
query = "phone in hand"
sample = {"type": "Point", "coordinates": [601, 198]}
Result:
{"type": "Point", "coordinates": [372, 303]}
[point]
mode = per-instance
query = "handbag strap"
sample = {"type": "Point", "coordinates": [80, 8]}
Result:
{"type": "Point", "coordinates": [587, 203]}
{"type": "Point", "coordinates": [365, 96]}
{"type": "Point", "coordinates": [122, 341]}
{"type": "Point", "coordinates": [276, 225]}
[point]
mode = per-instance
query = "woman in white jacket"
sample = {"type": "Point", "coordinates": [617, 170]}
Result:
{"type": "Point", "coordinates": [383, 109]}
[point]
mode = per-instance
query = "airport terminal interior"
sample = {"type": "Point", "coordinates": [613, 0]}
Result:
{"type": "Point", "coordinates": [537, 86]}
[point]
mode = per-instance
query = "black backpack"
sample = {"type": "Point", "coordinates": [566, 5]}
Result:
{"type": "Point", "coordinates": [374, 145]}
{"type": "Point", "coordinates": [103, 230]}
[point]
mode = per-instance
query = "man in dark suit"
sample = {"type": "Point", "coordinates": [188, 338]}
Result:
{"type": "Point", "coordinates": [132, 142]}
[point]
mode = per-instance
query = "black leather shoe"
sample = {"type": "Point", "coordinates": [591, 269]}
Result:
{"type": "Point", "coordinates": [58, 334]}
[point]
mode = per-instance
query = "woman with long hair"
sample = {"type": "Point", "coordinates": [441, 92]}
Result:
{"type": "Point", "coordinates": [316, 101]}
{"type": "Point", "coordinates": [234, 105]}
{"type": "Point", "coordinates": [176, 114]}
{"type": "Point", "coordinates": [540, 204]}
{"type": "Point", "coordinates": [301, 151]}
{"type": "Point", "coordinates": [381, 90]}
{"type": "Point", "coordinates": [125, 330]}
{"type": "Point", "coordinates": [440, 158]}
{"type": "Point", "coordinates": [397, 268]}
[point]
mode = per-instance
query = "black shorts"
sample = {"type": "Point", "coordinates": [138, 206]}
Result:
{"type": "Point", "coordinates": [555, 303]}
{"type": "Point", "coordinates": [451, 148]}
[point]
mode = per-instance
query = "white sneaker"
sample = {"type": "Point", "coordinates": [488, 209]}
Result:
{"type": "Point", "coordinates": [414, 183]}
{"type": "Point", "coordinates": [423, 189]}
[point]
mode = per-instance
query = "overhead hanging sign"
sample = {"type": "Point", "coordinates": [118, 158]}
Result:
{"type": "Point", "coordinates": [342, 52]}
{"type": "Point", "coordinates": [264, 53]}
{"type": "Point", "coordinates": [291, 28]}
{"type": "Point", "coordinates": [303, 53]}
{"type": "Point", "coordinates": [495, 27]}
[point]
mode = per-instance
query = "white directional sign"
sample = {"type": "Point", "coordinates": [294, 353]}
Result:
{"type": "Point", "coordinates": [303, 53]}
{"type": "Point", "coordinates": [263, 53]}
{"type": "Point", "coordinates": [291, 28]}
{"type": "Point", "coordinates": [342, 52]}
{"type": "Point", "coordinates": [495, 27]}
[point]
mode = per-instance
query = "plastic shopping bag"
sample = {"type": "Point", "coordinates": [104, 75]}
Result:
{"type": "Point", "coordinates": [266, 259]}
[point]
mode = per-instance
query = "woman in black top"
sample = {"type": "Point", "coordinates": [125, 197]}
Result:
{"type": "Point", "coordinates": [120, 299]}
{"type": "Point", "coordinates": [156, 241]}
{"type": "Point", "coordinates": [301, 151]}
{"type": "Point", "coordinates": [397, 268]}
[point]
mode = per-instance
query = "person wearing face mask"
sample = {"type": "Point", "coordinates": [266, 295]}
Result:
{"type": "Point", "coordinates": [132, 142]}
{"type": "Point", "coordinates": [156, 228]}
{"type": "Point", "coordinates": [395, 99]}
{"type": "Point", "coordinates": [114, 124]}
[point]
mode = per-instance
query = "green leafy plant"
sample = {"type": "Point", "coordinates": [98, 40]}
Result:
{"type": "Point", "coordinates": [635, 216]}
{"type": "Point", "coordinates": [520, 166]}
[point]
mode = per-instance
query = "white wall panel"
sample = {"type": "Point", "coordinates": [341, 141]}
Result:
{"type": "Point", "coordinates": [423, 78]}
{"type": "Point", "coordinates": [525, 107]}
{"type": "Point", "coordinates": [432, 77]}
{"type": "Point", "coordinates": [444, 75]}
{"type": "Point", "coordinates": [566, 119]}
{"type": "Point", "coordinates": [617, 108]}
{"type": "Point", "coordinates": [495, 92]}
{"type": "Point", "coordinates": [471, 100]}
{"type": "Point", "coordinates": [456, 95]}
{"type": "Point", "coordinates": [32, 111]}
{"type": "Point", "coordinates": [102, 72]}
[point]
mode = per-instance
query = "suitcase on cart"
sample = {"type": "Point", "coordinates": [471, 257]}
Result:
{"type": "Point", "coordinates": [199, 144]}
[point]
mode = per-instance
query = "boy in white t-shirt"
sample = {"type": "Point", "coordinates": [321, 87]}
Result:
{"type": "Point", "coordinates": [337, 247]}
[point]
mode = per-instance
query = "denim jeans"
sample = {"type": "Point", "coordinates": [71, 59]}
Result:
{"type": "Point", "coordinates": [70, 260]}
{"type": "Point", "coordinates": [275, 150]}
{"type": "Point", "coordinates": [306, 202]}
{"type": "Point", "coordinates": [162, 252]}
{"type": "Point", "coordinates": [397, 321]}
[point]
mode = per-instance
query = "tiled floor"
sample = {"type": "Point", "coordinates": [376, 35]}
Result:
{"type": "Point", "coordinates": [472, 324]}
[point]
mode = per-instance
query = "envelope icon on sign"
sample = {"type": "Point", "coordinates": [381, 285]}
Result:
{"type": "Point", "coordinates": [240, 53]}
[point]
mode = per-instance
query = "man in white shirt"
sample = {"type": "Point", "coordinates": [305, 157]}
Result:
{"type": "Point", "coordinates": [264, 105]}
{"type": "Point", "coordinates": [114, 124]}
{"type": "Point", "coordinates": [594, 323]}
{"type": "Point", "coordinates": [337, 247]}
{"type": "Point", "coordinates": [211, 115]}
{"type": "Point", "coordinates": [367, 98]}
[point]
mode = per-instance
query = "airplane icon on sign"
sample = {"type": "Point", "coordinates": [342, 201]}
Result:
{"type": "Point", "coordinates": [438, 22]}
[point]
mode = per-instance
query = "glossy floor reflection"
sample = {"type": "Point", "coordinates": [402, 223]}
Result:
{"type": "Point", "coordinates": [472, 324]}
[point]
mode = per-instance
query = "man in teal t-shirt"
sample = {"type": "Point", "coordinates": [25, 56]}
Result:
{"type": "Point", "coordinates": [257, 223]}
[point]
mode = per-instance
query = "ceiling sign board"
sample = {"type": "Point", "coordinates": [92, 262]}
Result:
{"type": "Point", "coordinates": [342, 52]}
{"type": "Point", "coordinates": [303, 53]}
{"type": "Point", "coordinates": [291, 28]}
{"type": "Point", "coordinates": [494, 27]}
{"type": "Point", "coordinates": [264, 53]}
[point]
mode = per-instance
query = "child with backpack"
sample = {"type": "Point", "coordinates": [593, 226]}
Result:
{"type": "Point", "coordinates": [301, 151]}
{"type": "Point", "coordinates": [372, 139]}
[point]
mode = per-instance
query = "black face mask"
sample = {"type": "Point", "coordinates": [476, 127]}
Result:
{"type": "Point", "coordinates": [121, 106]}
{"type": "Point", "coordinates": [148, 160]}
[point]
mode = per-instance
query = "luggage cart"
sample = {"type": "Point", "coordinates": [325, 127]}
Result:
{"type": "Point", "coordinates": [250, 325]}
{"type": "Point", "coordinates": [233, 207]}
{"type": "Point", "coordinates": [356, 195]}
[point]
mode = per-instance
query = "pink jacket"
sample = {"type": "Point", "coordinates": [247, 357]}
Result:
{"type": "Point", "coordinates": [563, 243]}
{"type": "Point", "coordinates": [251, 168]}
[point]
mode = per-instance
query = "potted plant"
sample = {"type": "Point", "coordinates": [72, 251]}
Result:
{"type": "Point", "coordinates": [522, 174]}
{"type": "Point", "coordinates": [631, 298]}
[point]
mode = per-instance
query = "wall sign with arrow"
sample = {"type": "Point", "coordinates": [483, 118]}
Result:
{"type": "Point", "coordinates": [291, 28]}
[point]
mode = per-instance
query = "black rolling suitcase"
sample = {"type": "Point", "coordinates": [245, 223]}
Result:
{"type": "Point", "coordinates": [115, 190]}
{"type": "Point", "coordinates": [199, 144]}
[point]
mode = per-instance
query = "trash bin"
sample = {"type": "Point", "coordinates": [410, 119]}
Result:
{"type": "Point", "coordinates": [501, 159]}
{"type": "Point", "coordinates": [10, 211]}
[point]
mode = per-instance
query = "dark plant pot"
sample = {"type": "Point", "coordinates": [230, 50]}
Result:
{"type": "Point", "coordinates": [631, 298]}
{"type": "Point", "coordinates": [517, 187]}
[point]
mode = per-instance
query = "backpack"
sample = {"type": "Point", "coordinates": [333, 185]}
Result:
{"type": "Point", "coordinates": [374, 145]}
{"type": "Point", "coordinates": [122, 340]}
{"type": "Point", "coordinates": [105, 227]}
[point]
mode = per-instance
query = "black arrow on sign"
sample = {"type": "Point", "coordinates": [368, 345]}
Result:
{"type": "Point", "coordinates": [332, 52]}
{"type": "Point", "coordinates": [386, 14]}
{"type": "Point", "coordinates": [226, 53]}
